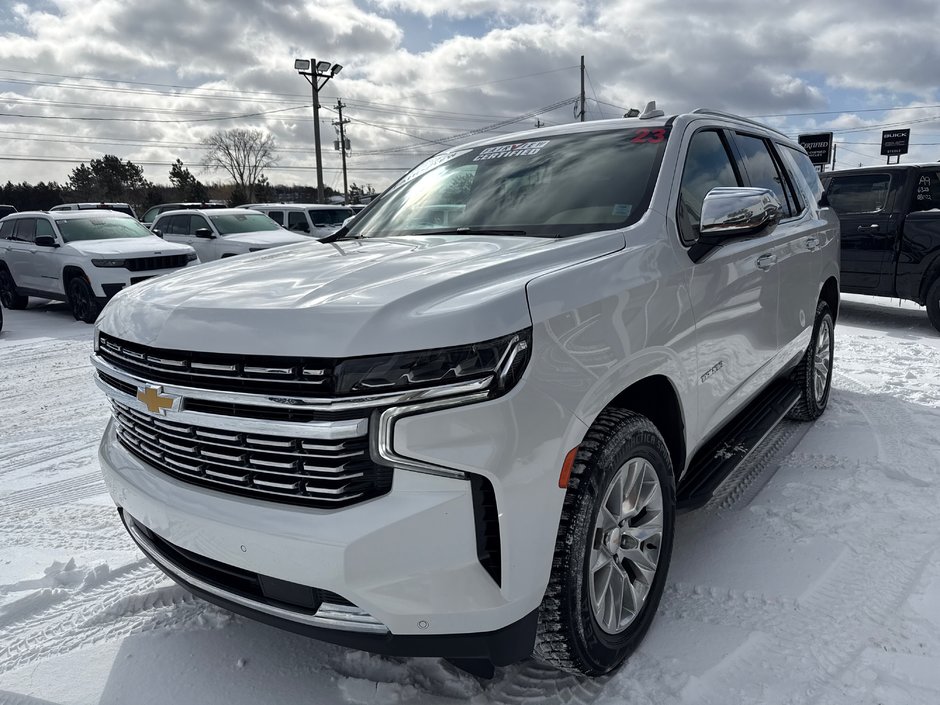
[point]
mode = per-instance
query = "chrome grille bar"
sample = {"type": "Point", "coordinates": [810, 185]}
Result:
{"type": "Point", "coordinates": [339, 474]}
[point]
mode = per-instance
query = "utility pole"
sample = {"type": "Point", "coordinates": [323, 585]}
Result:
{"type": "Point", "coordinates": [342, 147]}
{"type": "Point", "coordinates": [582, 88]}
{"type": "Point", "coordinates": [313, 71]}
{"type": "Point", "coordinates": [538, 123]}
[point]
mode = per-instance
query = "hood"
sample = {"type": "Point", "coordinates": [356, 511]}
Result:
{"type": "Point", "coordinates": [351, 297]}
{"type": "Point", "coordinates": [265, 238]}
{"type": "Point", "coordinates": [128, 247]}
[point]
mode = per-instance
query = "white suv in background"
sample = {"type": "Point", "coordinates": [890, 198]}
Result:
{"type": "Point", "coordinates": [222, 232]}
{"type": "Point", "coordinates": [82, 257]}
{"type": "Point", "coordinates": [315, 219]}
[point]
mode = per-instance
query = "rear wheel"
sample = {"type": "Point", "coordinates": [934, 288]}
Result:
{"type": "Point", "coordinates": [82, 300]}
{"type": "Point", "coordinates": [613, 547]}
{"type": "Point", "coordinates": [814, 373]}
{"type": "Point", "coordinates": [933, 304]}
{"type": "Point", "coordinates": [8, 294]}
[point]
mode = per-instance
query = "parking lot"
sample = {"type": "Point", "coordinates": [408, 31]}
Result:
{"type": "Point", "coordinates": [812, 577]}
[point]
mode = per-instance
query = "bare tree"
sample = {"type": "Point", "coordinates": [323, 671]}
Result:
{"type": "Point", "coordinates": [244, 154]}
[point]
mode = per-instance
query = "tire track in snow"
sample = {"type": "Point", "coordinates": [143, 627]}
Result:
{"type": "Point", "coordinates": [70, 490]}
{"type": "Point", "coordinates": [137, 597]}
{"type": "Point", "coordinates": [799, 647]}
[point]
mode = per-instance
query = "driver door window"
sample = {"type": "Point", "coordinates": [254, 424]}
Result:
{"type": "Point", "coordinates": [297, 222]}
{"type": "Point", "coordinates": [197, 222]}
{"type": "Point", "coordinates": [708, 164]}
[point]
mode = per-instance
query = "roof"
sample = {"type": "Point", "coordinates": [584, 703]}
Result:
{"type": "Point", "coordinates": [883, 167]}
{"type": "Point", "coordinates": [209, 212]}
{"type": "Point", "coordinates": [305, 206]}
{"type": "Point", "coordinates": [72, 215]}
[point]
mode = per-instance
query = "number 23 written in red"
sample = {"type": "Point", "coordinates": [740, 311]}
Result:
{"type": "Point", "coordinates": [649, 136]}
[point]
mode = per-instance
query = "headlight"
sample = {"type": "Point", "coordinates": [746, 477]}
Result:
{"type": "Point", "coordinates": [191, 257]}
{"type": "Point", "coordinates": [502, 360]}
{"type": "Point", "coordinates": [109, 262]}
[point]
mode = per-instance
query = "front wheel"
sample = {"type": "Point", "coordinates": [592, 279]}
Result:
{"type": "Point", "coordinates": [9, 296]}
{"type": "Point", "coordinates": [82, 300]}
{"type": "Point", "coordinates": [814, 373]}
{"type": "Point", "coordinates": [613, 547]}
{"type": "Point", "coordinates": [933, 304]}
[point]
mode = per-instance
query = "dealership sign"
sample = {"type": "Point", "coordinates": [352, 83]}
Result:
{"type": "Point", "coordinates": [895, 142]}
{"type": "Point", "coordinates": [818, 147]}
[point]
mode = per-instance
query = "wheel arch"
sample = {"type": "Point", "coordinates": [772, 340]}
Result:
{"type": "Point", "coordinates": [656, 398]}
{"type": "Point", "coordinates": [69, 272]}
{"type": "Point", "coordinates": [830, 294]}
{"type": "Point", "coordinates": [931, 274]}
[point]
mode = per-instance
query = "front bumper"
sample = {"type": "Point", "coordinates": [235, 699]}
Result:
{"type": "Point", "coordinates": [108, 281]}
{"type": "Point", "coordinates": [343, 625]}
{"type": "Point", "coordinates": [408, 558]}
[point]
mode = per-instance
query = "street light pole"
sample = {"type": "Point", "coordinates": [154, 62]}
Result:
{"type": "Point", "coordinates": [342, 147]}
{"type": "Point", "coordinates": [313, 71]}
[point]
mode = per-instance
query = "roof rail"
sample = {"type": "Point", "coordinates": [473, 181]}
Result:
{"type": "Point", "coordinates": [719, 113]}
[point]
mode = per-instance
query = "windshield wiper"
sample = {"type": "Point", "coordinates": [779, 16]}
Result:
{"type": "Point", "coordinates": [473, 231]}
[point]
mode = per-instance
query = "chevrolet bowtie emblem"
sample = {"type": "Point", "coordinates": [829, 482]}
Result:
{"type": "Point", "coordinates": [155, 401]}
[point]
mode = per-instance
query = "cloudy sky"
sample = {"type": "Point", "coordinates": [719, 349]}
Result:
{"type": "Point", "coordinates": [148, 79]}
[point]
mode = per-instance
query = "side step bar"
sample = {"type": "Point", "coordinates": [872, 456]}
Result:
{"type": "Point", "coordinates": [728, 449]}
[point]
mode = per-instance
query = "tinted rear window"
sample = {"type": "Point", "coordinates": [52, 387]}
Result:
{"type": "Point", "coordinates": [859, 193]}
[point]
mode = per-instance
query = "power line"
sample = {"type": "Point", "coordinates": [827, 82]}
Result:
{"type": "Point", "coordinates": [116, 119]}
{"type": "Point", "coordinates": [73, 160]}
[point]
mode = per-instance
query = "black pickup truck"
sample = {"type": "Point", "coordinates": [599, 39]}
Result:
{"type": "Point", "coordinates": [890, 231]}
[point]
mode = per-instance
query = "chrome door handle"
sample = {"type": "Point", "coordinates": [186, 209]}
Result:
{"type": "Point", "coordinates": [765, 262]}
{"type": "Point", "coordinates": [866, 228]}
{"type": "Point", "coordinates": [811, 243]}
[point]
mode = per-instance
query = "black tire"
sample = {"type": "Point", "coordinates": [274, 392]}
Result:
{"type": "Point", "coordinates": [9, 296]}
{"type": "Point", "coordinates": [813, 400]}
{"type": "Point", "coordinates": [570, 636]}
{"type": "Point", "coordinates": [933, 304]}
{"type": "Point", "coordinates": [82, 301]}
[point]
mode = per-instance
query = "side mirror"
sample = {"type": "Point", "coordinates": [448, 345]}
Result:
{"type": "Point", "coordinates": [729, 213]}
{"type": "Point", "coordinates": [46, 241]}
{"type": "Point", "coordinates": [204, 232]}
{"type": "Point", "coordinates": [738, 212]}
{"type": "Point", "coordinates": [157, 232]}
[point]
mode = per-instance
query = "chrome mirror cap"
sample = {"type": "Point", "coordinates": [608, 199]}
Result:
{"type": "Point", "coordinates": [738, 212]}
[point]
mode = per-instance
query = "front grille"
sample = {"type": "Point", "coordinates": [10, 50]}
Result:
{"type": "Point", "coordinates": [320, 473]}
{"type": "Point", "coordinates": [146, 264]}
{"type": "Point", "coordinates": [218, 371]}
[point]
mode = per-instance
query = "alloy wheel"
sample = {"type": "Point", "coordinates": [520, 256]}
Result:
{"type": "Point", "coordinates": [823, 359]}
{"type": "Point", "coordinates": [626, 545]}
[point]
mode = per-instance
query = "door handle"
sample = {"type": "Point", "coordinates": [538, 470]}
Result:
{"type": "Point", "coordinates": [811, 243]}
{"type": "Point", "coordinates": [765, 262]}
{"type": "Point", "coordinates": [867, 228]}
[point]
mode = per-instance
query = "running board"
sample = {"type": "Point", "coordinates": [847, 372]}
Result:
{"type": "Point", "coordinates": [728, 449]}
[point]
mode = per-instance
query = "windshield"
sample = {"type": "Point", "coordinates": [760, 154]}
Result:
{"type": "Point", "coordinates": [103, 228]}
{"type": "Point", "coordinates": [555, 187]}
{"type": "Point", "coordinates": [329, 216]}
{"type": "Point", "coordinates": [234, 223]}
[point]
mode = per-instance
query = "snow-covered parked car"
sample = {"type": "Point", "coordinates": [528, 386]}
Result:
{"type": "Point", "coordinates": [471, 441]}
{"type": "Point", "coordinates": [224, 232]}
{"type": "Point", "coordinates": [83, 257]}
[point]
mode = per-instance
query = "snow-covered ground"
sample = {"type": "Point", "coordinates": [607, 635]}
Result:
{"type": "Point", "coordinates": [813, 577]}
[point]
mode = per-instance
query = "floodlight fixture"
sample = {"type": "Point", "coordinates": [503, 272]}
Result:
{"type": "Point", "coordinates": [302, 64]}
{"type": "Point", "coordinates": [336, 69]}
{"type": "Point", "coordinates": [323, 66]}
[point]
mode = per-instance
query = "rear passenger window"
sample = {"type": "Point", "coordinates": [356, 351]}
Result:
{"type": "Point", "coordinates": [25, 230]}
{"type": "Point", "coordinates": [276, 216]}
{"type": "Point", "coordinates": [807, 172]}
{"type": "Point", "coordinates": [860, 193]}
{"type": "Point", "coordinates": [707, 165]}
{"type": "Point", "coordinates": [6, 229]}
{"type": "Point", "coordinates": [763, 172]}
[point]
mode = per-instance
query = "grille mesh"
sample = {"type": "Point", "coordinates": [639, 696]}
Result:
{"type": "Point", "coordinates": [310, 472]}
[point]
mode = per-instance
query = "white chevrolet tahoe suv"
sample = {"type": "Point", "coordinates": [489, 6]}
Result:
{"type": "Point", "coordinates": [223, 232]}
{"type": "Point", "coordinates": [471, 441]}
{"type": "Point", "coordinates": [83, 257]}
